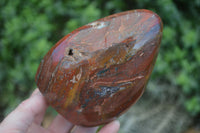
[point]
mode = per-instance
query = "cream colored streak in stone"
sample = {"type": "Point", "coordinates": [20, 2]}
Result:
{"type": "Point", "coordinates": [76, 78]}
{"type": "Point", "coordinates": [117, 82]}
{"type": "Point", "coordinates": [98, 109]}
{"type": "Point", "coordinates": [73, 80]}
{"type": "Point", "coordinates": [98, 25]}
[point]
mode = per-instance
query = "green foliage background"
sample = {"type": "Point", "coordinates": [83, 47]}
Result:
{"type": "Point", "coordinates": [28, 29]}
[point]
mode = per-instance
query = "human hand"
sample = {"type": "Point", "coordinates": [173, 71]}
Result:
{"type": "Point", "coordinates": [28, 116]}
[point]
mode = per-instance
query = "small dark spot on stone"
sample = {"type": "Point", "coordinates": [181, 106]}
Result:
{"type": "Point", "coordinates": [127, 45]}
{"type": "Point", "coordinates": [70, 52]}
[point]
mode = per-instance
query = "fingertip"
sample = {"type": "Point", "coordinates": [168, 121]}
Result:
{"type": "Point", "coordinates": [112, 127]}
{"type": "Point", "coordinates": [60, 124]}
{"type": "Point", "coordinates": [35, 92]}
{"type": "Point", "coordinates": [34, 103]}
{"type": "Point", "coordinates": [81, 129]}
{"type": "Point", "coordinates": [116, 123]}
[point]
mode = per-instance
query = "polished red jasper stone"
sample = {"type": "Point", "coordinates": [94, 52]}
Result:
{"type": "Point", "coordinates": [95, 73]}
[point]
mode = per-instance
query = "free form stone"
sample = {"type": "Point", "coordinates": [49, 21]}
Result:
{"type": "Point", "coordinates": [95, 73]}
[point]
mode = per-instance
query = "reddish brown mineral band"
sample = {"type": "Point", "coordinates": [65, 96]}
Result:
{"type": "Point", "coordinates": [98, 71]}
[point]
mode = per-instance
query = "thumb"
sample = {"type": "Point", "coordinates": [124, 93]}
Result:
{"type": "Point", "coordinates": [22, 117]}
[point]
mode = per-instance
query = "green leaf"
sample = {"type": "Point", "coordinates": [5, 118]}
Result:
{"type": "Point", "coordinates": [193, 105]}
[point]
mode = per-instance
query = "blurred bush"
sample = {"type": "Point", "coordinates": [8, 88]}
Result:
{"type": "Point", "coordinates": [28, 29]}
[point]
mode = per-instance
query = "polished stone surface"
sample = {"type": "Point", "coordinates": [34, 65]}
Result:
{"type": "Point", "coordinates": [95, 73]}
